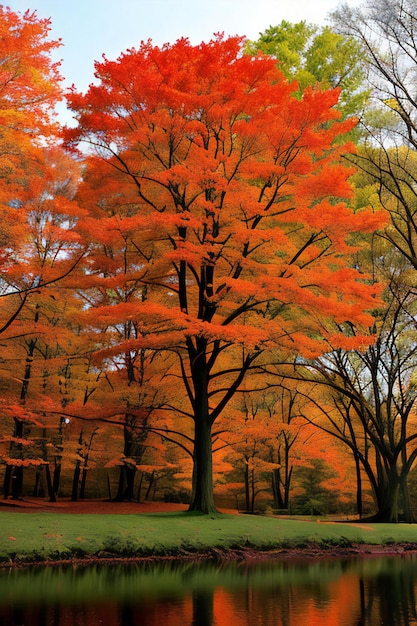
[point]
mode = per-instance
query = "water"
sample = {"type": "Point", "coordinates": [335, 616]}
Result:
{"type": "Point", "coordinates": [337, 592]}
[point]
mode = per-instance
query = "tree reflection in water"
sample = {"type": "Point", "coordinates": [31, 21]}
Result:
{"type": "Point", "coordinates": [346, 592]}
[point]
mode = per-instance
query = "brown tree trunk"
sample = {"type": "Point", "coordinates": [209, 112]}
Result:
{"type": "Point", "coordinates": [7, 481]}
{"type": "Point", "coordinates": [76, 481]}
{"type": "Point", "coordinates": [83, 483]}
{"type": "Point", "coordinates": [202, 498]}
{"type": "Point", "coordinates": [125, 490]}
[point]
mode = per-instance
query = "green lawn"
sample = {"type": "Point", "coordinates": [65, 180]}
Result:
{"type": "Point", "coordinates": [54, 536]}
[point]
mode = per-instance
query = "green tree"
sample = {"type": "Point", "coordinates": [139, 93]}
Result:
{"type": "Point", "coordinates": [311, 54]}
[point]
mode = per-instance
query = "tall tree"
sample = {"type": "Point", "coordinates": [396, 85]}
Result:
{"type": "Point", "coordinates": [387, 156]}
{"type": "Point", "coordinates": [29, 90]}
{"type": "Point", "coordinates": [236, 222]}
{"type": "Point", "coordinates": [385, 30]}
{"type": "Point", "coordinates": [371, 398]}
{"type": "Point", "coordinates": [35, 198]}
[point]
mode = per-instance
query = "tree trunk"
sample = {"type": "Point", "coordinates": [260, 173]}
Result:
{"type": "Point", "coordinates": [120, 485]}
{"type": "Point", "coordinates": [125, 490]}
{"type": "Point", "coordinates": [408, 515]}
{"type": "Point", "coordinates": [75, 481]}
{"type": "Point", "coordinates": [281, 477]}
{"type": "Point", "coordinates": [359, 508]}
{"type": "Point", "coordinates": [17, 482]}
{"type": "Point", "coordinates": [150, 486]}
{"type": "Point", "coordinates": [7, 481]}
{"type": "Point", "coordinates": [37, 488]}
{"type": "Point", "coordinates": [17, 470]}
{"type": "Point", "coordinates": [389, 508]}
{"type": "Point", "coordinates": [202, 498]}
{"type": "Point", "coordinates": [252, 489]}
{"type": "Point", "coordinates": [247, 496]}
{"type": "Point", "coordinates": [83, 483]}
{"type": "Point", "coordinates": [56, 480]}
{"type": "Point", "coordinates": [49, 482]}
{"type": "Point", "coordinates": [85, 465]}
{"type": "Point", "coordinates": [275, 489]}
{"type": "Point", "coordinates": [139, 490]}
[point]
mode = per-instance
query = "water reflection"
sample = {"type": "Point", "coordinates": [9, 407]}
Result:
{"type": "Point", "coordinates": [347, 592]}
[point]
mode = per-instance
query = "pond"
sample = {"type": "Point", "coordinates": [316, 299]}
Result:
{"type": "Point", "coordinates": [335, 592]}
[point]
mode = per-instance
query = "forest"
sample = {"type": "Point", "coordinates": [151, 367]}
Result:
{"type": "Point", "coordinates": [207, 289]}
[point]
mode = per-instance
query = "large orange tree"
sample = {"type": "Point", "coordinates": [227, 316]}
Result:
{"type": "Point", "coordinates": [29, 90]}
{"type": "Point", "coordinates": [228, 194]}
{"type": "Point", "coordinates": [37, 212]}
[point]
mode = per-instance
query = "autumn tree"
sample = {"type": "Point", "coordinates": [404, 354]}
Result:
{"type": "Point", "coordinates": [261, 429]}
{"type": "Point", "coordinates": [287, 404]}
{"type": "Point", "coordinates": [249, 436]}
{"type": "Point", "coordinates": [110, 284]}
{"type": "Point", "coordinates": [29, 90]}
{"type": "Point", "coordinates": [236, 223]}
{"type": "Point", "coordinates": [374, 393]}
{"type": "Point", "coordinates": [386, 158]}
{"type": "Point", "coordinates": [37, 245]}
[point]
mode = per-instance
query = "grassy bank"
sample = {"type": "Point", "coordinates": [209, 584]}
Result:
{"type": "Point", "coordinates": [55, 536]}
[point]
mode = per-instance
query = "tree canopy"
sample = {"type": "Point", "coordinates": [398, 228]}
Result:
{"type": "Point", "coordinates": [197, 229]}
{"type": "Point", "coordinates": [226, 193]}
{"type": "Point", "coordinates": [311, 54]}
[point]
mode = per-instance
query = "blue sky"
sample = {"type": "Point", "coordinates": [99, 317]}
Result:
{"type": "Point", "coordinates": [89, 28]}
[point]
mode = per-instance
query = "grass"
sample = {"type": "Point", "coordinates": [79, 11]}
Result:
{"type": "Point", "coordinates": [33, 537]}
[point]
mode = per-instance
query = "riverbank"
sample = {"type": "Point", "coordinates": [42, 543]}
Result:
{"type": "Point", "coordinates": [40, 532]}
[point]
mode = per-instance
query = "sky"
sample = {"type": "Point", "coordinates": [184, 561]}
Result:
{"type": "Point", "coordinates": [89, 28]}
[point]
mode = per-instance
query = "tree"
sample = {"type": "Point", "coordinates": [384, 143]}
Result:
{"type": "Point", "coordinates": [262, 429]}
{"type": "Point", "coordinates": [387, 155]}
{"type": "Point", "coordinates": [29, 90]}
{"type": "Point", "coordinates": [385, 31]}
{"type": "Point", "coordinates": [287, 405]}
{"type": "Point", "coordinates": [232, 191]}
{"type": "Point", "coordinates": [310, 55]}
{"type": "Point", "coordinates": [47, 212]}
{"type": "Point", "coordinates": [366, 398]}
{"type": "Point", "coordinates": [110, 284]}
{"type": "Point", "coordinates": [375, 394]}
{"type": "Point", "coordinates": [249, 437]}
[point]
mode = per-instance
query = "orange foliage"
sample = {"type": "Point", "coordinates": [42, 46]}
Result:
{"type": "Point", "coordinates": [215, 215]}
{"type": "Point", "coordinates": [244, 189]}
{"type": "Point", "coordinates": [215, 205]}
